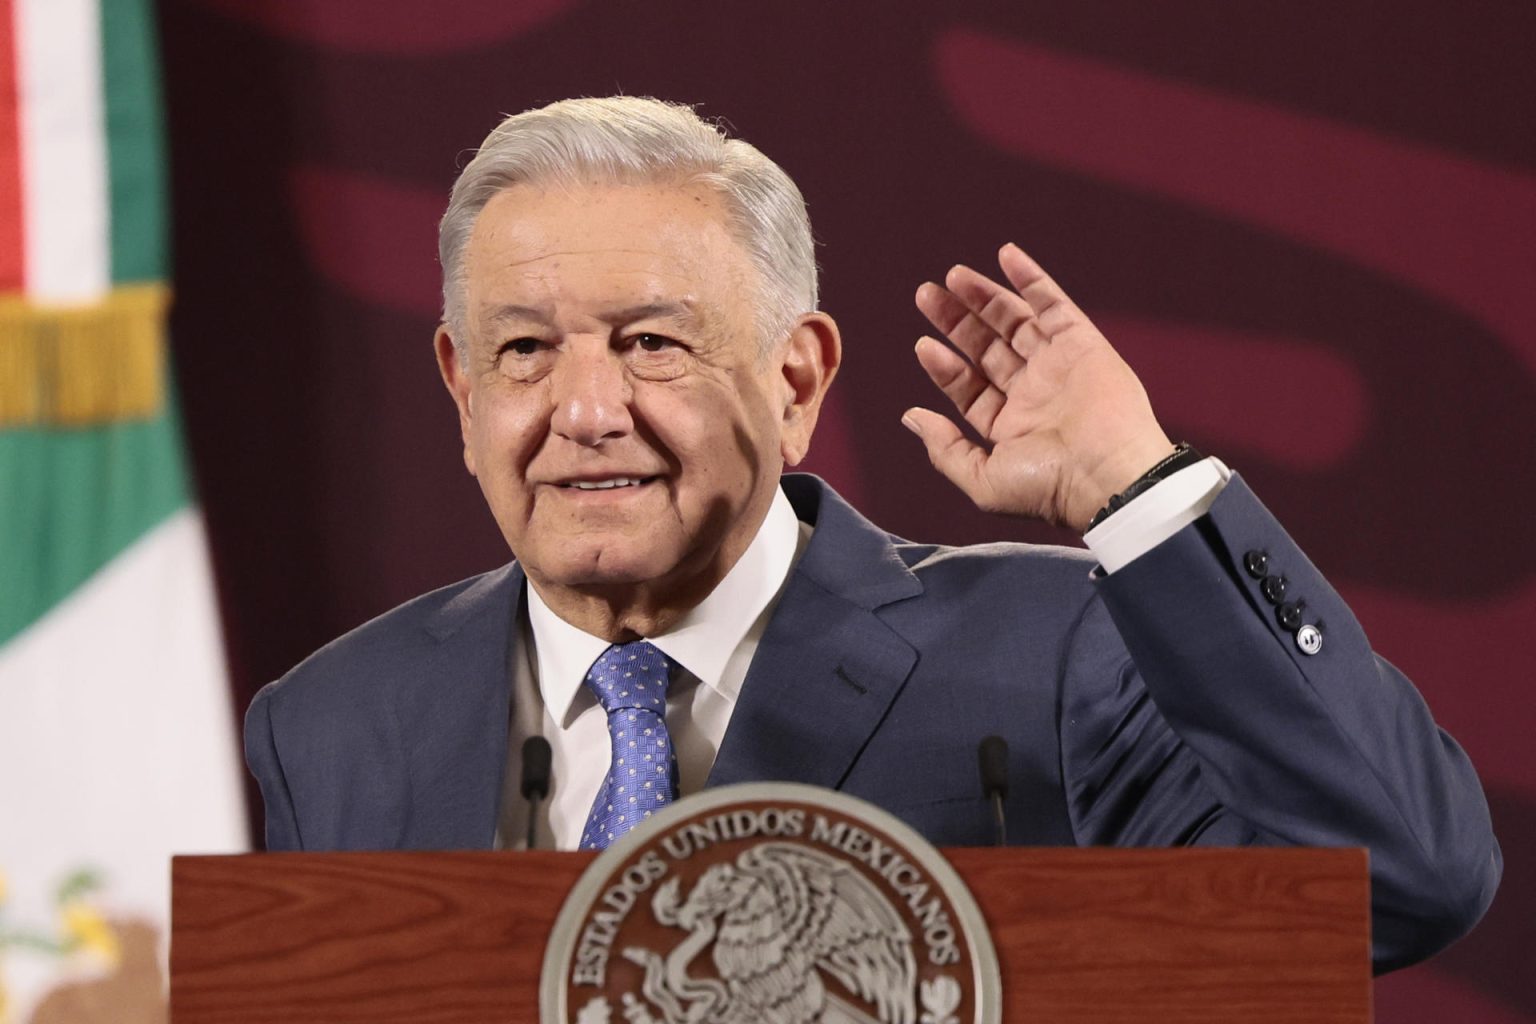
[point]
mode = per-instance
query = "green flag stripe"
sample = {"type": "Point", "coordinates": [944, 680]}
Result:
{"type": "Point", "coordinates": [72, 499]}
{"type": "Point", "coordinates": [75, 499]}
{"type": "Point", "coordinates": [135, 141]}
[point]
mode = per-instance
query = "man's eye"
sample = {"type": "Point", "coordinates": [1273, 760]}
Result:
{"type": "Point", "coordinates": [654, 342]}
{"type": "Point", "coordinates": [523, 346]}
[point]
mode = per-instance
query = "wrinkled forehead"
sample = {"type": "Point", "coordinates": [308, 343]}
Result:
{"type": "Point", "coordinates": [529, 220]}
{"type": "Point", "coordinates": [609, 247]}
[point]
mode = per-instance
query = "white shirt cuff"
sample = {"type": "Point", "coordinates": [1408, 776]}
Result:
{"type": "Point", "coordinates": [1157, 514]}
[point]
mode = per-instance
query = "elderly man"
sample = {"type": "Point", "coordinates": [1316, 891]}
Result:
{"type": "Point", "coordinates": [632, 342]}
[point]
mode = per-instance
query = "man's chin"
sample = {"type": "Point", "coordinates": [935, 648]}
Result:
{"type": "Point", "coordinates": [609, 566]}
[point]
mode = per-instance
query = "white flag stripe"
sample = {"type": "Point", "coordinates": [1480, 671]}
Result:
{"type": "Point", "coordinates": [65, 201]}
{"type": "Point", "coordinates": [117, 742]}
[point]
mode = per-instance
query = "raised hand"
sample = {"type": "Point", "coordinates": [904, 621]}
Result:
{"type": "Point", "coordinates": [1066, 423]}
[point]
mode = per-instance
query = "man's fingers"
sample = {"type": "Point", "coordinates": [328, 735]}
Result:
{"type": "Point", "coordinates": [1002, 309]}
{"type": "Point", "coordinates": [1051, 305]}
{"type": "Point", "coordinates": [1025, 274]}
{"type": "Point", "coordinates": [979, 341]}
{"type": "Point", "coordinates": [962, 461]}
{"type": "Point", "coordinates": [975, 399]}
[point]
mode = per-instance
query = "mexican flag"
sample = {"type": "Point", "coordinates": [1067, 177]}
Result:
{"type": "Point", "coordinates": [117, 742]}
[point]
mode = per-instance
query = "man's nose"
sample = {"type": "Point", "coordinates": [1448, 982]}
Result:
{"type": "Point", "coordinates": [591, 395]}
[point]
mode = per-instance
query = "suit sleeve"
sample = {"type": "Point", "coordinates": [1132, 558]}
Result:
{"type": "Point", "coordinates": [261, 757]}
{"type": "Point", "coordinates": [1207, 723]}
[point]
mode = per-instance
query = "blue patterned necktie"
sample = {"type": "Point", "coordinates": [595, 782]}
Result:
{"type": "Point", "coordinates": [630, 681]}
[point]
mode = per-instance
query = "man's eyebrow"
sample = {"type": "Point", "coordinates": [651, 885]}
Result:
{"type": "Point", "coordinates": [512, 312]}
{"type": "Point", "coordinates": [681, 311]}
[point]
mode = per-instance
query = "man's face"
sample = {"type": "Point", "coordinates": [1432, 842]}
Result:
{"type": "Point", "coordinates": [616, 406]}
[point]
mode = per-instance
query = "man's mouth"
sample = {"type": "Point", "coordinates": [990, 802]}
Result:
{"type": "Point", "coordinates": [608, 484]}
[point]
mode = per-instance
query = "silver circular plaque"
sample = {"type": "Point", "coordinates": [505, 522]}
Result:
{"type": "Point", "coordinates": [770, 902]}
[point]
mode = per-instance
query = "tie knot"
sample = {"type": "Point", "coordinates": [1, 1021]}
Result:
{"type": "Point", "coordinates": [632, 675]}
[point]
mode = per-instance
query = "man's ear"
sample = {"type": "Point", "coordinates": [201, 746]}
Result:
{"type": "Point", "coordinates": [810, 361]}
{"type": "Point", "coordinates": [456, 380]}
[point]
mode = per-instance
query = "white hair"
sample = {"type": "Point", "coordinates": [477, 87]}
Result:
{"type": "Point", "coordinates": [632, 140]}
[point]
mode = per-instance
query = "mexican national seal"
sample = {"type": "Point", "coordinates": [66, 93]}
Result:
{"type": "Point", "coordinates": [770, 903]}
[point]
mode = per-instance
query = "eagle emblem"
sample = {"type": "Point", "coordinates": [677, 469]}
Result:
{"type": "Point", "coordinates": [794, 936]}
{"type": "Point", "coordinates": [770, 903]}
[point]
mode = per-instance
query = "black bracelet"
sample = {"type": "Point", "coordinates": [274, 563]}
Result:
{"type": "Point", "coordinates": [1183, 457]}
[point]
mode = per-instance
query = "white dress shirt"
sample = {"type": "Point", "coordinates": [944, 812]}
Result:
{"type": "Point", "coordinates": [713, 645]}
{"type": "Point", "coordinates": [1157, 514]}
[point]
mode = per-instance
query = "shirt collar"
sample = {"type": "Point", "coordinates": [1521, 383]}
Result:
{"type": "Point", "coordinates": [702, 641]}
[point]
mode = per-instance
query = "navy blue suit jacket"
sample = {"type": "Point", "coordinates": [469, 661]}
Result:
{"type": "Point", "coordinates": [1162, 705]}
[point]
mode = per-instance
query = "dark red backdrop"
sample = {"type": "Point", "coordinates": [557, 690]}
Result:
{"type": "Point", "coordinates": [1310, 226]}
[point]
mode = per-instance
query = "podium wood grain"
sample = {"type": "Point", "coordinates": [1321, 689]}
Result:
{"type": "Point", "coordinates": [1082, 935]}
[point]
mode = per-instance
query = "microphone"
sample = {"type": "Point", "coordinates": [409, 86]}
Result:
{"type": "Point", "coordinates": [536, 760]}
{"type": "Point", "coordinates": [993, 755]}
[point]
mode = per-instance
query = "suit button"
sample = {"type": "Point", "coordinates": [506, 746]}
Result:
{"type": "Point", "coordinates": [1273, 588]}
{"type": "Point", "coordinates": [1309, 639]}
{"type": "Point", "coordinates": [1257, 564]}
{"type": "Point", "coordinates": [1289, 615]}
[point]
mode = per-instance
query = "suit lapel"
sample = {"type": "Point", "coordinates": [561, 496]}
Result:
{"type": "Point", "coordinates": [824, 675]}
{"type": "Point", "coordinates": [456, 717]}
{"type": "Point", "coordinates": [828, 666]}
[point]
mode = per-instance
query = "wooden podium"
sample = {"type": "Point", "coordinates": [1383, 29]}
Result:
{"type": "Point", "coordinates": [1254, 935]}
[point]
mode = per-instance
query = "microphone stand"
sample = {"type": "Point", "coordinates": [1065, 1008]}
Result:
{"type": "Point", "coordinates": [993, 757]}
{"type": "Point", "coordinates": [536, 762]}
